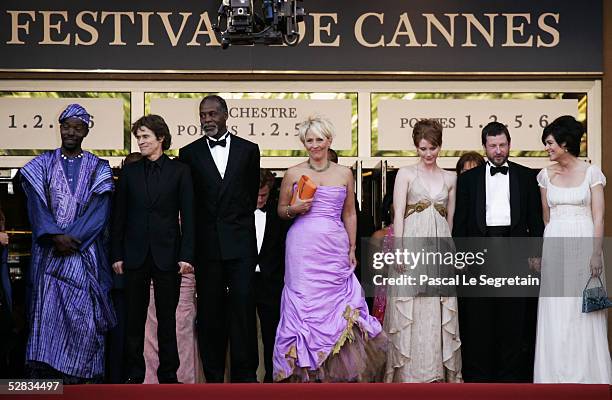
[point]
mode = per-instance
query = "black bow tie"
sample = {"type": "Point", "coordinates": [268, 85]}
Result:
{"type": "Point", "coordinates": [503, 169]}
{"type": "Point", "coordinates": [212, 143]}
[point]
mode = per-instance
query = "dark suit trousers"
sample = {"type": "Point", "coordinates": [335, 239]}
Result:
{"type": "Point", "coordinates": [267, 301]}
{"type": "Point", "coordinates": [167, 286]}
{"type": "Point", "coordinates": [497, 334]}
{"type": "Point", "coordinates": [116, 339]}
{"type": "Point", "coordinates": [226, 309]}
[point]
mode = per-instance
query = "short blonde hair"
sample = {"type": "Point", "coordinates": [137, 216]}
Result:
{"type": "Point", "coordinates": [319, 126]}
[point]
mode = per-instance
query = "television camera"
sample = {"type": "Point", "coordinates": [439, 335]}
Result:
{"type": "Point", "coordinates": [248, 22]}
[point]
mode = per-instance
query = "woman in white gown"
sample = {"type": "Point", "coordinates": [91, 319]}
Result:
{"type": "Point", "coordinates": [571, 346]}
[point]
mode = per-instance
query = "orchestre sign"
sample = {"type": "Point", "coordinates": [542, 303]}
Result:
{"type": "Point", "coordinates": [463, 121]}
{"type": "Point", "coordinates": [271, 123]}
{"type": "Point", "coordinates": [32, 123]}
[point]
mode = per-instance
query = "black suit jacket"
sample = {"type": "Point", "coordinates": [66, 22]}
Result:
{"type": "Point", "coordinates": [141, 222]}
{"type": "Point", "coordinates": [224, 207]}
{"type": "Point", "coordinates": [525, 205]}
{"type": "Point", "coordinates": [271, 257]}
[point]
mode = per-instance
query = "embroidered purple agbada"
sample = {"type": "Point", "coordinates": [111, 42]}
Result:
{"type": "Point", "coordinates": [70, 309]}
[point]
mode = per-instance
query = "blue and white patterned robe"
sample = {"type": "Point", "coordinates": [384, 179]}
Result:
{"type": "Point", "coordinates": [70, 308]}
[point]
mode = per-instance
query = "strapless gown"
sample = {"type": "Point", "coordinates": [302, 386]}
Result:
{"type": "Point", "coordinates": [325, 333]}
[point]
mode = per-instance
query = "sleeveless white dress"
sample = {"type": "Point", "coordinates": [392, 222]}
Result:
{"type": "Point", "coordinates": [571, 346]}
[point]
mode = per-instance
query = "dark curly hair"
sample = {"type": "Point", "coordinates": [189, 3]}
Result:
{"type": "Point", "coordinates": [494, 129]}
{"type": "Point", "coordinates": [157, 125]}
{"type": "Point", "coordinates": [566, 131]}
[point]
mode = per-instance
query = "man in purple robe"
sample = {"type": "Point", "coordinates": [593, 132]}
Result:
{"type": "Point", "coordinates": [69, 197]}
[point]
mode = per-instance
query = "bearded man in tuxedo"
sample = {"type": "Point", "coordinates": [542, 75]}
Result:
{"type": "Point", "coordinates": [498, 199]}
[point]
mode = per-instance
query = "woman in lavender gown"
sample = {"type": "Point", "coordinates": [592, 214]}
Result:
{"type": "Point", "coordinates": [326, 333]}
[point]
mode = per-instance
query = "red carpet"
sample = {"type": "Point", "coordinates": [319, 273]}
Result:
{"type": "Point", "coordinates": [330, 391]}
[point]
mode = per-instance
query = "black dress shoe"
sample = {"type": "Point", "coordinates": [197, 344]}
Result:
{"type": "Point", "coordinates": [134, 381]}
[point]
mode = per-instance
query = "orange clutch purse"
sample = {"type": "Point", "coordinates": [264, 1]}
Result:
{"type": "Point", "coordinates": [306, 189]}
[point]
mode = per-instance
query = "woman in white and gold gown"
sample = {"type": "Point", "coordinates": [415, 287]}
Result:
{"type": "Point", "coordinates": [423, 330]}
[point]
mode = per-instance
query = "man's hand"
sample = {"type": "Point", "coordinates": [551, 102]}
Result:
{"type": "Point", "coordinates": [4, 240]}
{"type": "Point", "coordinates": [65, 245]}
{"type": "Point", "coordinates": [185, 268]}
{"type": "Point", "coordinates": [118, 267]}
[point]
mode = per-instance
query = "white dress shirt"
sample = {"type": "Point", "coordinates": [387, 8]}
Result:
{"type": "Point", "coordinates": [220, 154]}
{"type": "Point", "coordinates": [260, 230]}
{"type": "Point", "coordinates": [498, 197]}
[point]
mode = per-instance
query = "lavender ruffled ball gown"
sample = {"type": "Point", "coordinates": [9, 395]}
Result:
{"type": "Point", "coordinates": [325, 332]}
